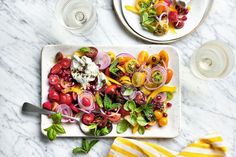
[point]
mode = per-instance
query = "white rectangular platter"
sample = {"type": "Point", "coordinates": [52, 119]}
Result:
{"type": "Point", "coordinates": [73, 130]}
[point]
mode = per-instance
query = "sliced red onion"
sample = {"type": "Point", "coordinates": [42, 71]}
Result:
{"type": "Point", "coordinates": [66, 110]}
{"type": "Point", "coordinates": [90, 96]}
{"type": "Point", "coordinates": [162, 96]}
{"type": "Point", "coordinates": [124, 54]}
{"type": "Point", "coordinates": [103, 60]}
{"type": "Point", "coordinates": [149, 79]}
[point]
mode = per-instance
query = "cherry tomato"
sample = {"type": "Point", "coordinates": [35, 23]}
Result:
{"type": "Point", "coordinates": [114, 117]}
{"type": "Point", "coordinates": [53, 95]}
{"type": "Point", "coordinates": [169, 75]}
{"type": "Point", "coordinates": [56, 68]}
{"type": "Point", "coordinates": [164, 56]}
{"type": "Point", "coordinates": [53, 79]}
{"type": "Point", "coordinates": [138, 79]}
{"type": "Point", "coordinates": [58, 87]}
{"type": "Point", "coordinates": [158, 114]}
{"type": "Point", "coordinates": [153, 59]}
{"type": "Point", "coordinates": [131, 66]}
{"type": "Point", "coordinates": [65, 62]}
{"type": "Point", "coordinates": [124, 59]}
{"type": "Point", "coordinates": [163, 121]}
{"type": "Point", "coordinates": [65, 99]}
{"type": "Point", "coordinates": [107, 72]}
{"type": "Point", "coordinates": [142, 57]}
{"type": "Point", "coordinates": [47, 105]}
{"type": "Point", "coordinates": [160, 9]}
{"type": "Point", "coordinates": [110, 90]}
{"type": "Point", "coordinates": [86, 101]}
{"type": "Point", "coordinates": [75, 109]}
{"type": "Point", "coordinates": [88, 118]}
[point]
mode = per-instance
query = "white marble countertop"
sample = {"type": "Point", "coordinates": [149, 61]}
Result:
{"type": "Point", "coordinates": [27, 25]}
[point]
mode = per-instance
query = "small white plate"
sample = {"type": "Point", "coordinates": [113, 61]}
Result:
{"type": "Point", "coordinates": [131, 21]}
{"type": "Point", "coordinates": [72, 130]}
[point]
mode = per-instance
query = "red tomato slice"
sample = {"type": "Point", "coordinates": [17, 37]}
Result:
{"type": "Point", "coordinates": [53, 79]}
{"type": "Point", "coordinates": [65, 62]}
{"type": "Point", "coordinates": [56, 68]}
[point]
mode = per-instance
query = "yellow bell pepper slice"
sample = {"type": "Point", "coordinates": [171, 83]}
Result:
{"type": "Point", "coordinates": [170, 89]}
{"type": "Point", "coordinates": [121, 68]}
{"type": "Point", "coordinates": [76, 89]}
{"type": "Point", "coordinates": [126, 82]}
{"type": "Point", "coordinates": [113, 81]}
{"type": "Point", "coordinates": [125, 78]}
{"type": "Point", "coordinates": [112, 55]}
{"type": "Point", "coordinates": [78, 53]}
{"type": "Point", "coordinates": [132, 9]}
{"type": "Point", "coordinates": [135, 129]}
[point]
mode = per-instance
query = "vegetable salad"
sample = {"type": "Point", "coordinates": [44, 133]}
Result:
{"type": "Point", "coordinates": [106, 89]}
{"type": "Point", "coordinates": [160, 16]}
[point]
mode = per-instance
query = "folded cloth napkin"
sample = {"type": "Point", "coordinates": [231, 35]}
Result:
{"type": "Point", "coordinates": [208, 146]}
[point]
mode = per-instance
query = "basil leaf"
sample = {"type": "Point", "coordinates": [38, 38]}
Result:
{"type": "Point", "coordinates": [133, 119]}
{"type": "Point", "coordinates": [84, 49]}
{"type": "Point", "coordinates": [115, 105]}
{"type": "Point", "coordinates": [107, 102]}
{"type": "Point", "coordinates": [56, 118]}
{"type": "Point", "coordinates": [85, 144]}
{"type": "Point", "coordinates": [128, 92]}
{"type": "Point", "coordinates": [132, 105]}
{"type": "Point", "coordinates": [48, 128]}
{"type": "Point", "coordinates": [126, 106]}
{"type": "Point", "coordinates": [78, 150]}
{"type": "Point", "coordinates": [139, 109]}
{"type": "Point", "coordinates": [113, 69]}
{"type": "Point", "coordinates": [141, 121]}
{"type": "Point", "coordinates": [122, 126]}
{"type": "Point", "coordinates": [141, 130]}
{"type": "Point", "coordinates": [59, 128]}
{"type": "Point", "coordinates": [51, 134]}
{"type": "Point", "coordinates": [104, 131]}
{"type": "Point", "coordinates": [148, 112]}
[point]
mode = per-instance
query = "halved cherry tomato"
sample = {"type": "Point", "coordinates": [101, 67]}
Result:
{"type": "Point", "coordinates": [142, 57]}
{"type": "Point", "coordinates": [164, 56]}
{"type": "Point", "coordinates": [158, 114]}
{"type": "Point", "coordinates": [86, 101]}
{"type": "Point", "coordinates": [56, 68]}
{"type": "Point", "coordinates": [53, 95]}
{"type": "Point", "coordinates": [153, 59]}
{"type": "Point", "coordinates": [138, 79]}
{"type": "Point", "coordinates": [107, 72]}
{"type": "Point", "coordinates": [111, 90]}
{"type": "Point", "coordinates": [87, 118]}
{"type": "Point", "coordinates": [131, 66]}
{"type": "Point", "coordinates": [169, 75]}
{"type": "Point", "coordinates": [53, 79]}
{"type": "Point", "coordinates": [75, 109]}
{"type": "Point", "coordinates": [65, 62]}
{"type": "Point", "coordinates": [163, 121]}
{"type": "Point", "coordinates": [47, 105]}
{"type": "Point", "coordinates": [65, 99]}
{"type": "Point", "coordinates": [124, 59]}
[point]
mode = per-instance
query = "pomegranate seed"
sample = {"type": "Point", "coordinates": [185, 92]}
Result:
{"type": "Point", "coordinates": [158, 97]}
{"type": "Point", "coordinates": [165, 114]}
{"type": "Point", "coordinates": [184, 18]}
{"type": "Point", "coordinates": [179, 24]}
{"type": "Point", "coordinates": [154, 59]}
{"type": "Point", "coordinates": [185, 11]}
{"type": "Point", "coordinates": [168, 104]}
{"type": "Point", "coordinates": [86, 101]}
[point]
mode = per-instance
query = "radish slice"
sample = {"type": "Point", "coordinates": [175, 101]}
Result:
{"type": "Point", "coordinates": [89, 95]}
{"type": "Point", "coordinates": [66, 110]}
{"type": "Point", "coordinates": [103, 60]}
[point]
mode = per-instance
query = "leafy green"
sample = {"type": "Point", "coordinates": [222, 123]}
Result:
{"type": "Point", "coordinates": [130, 105]}
{"type": "Point", "coordinates": [108, 105]}
{"type": "Point", "coordinates": [56, 128]}
{"type": "Point", "coordinates": [122, 126]}
{"type": "Point", "coordinates": [148, 112]}
{"type": "Point", "coordinates": [133, 119]}
{"type": "Point", "coordinates": [139, 109]}
{"type": "Point", "coordinates": [141, 121]}
{"type": "Point", "coordinates": [99, 100]}
{"type": "Point", "coordinates": [141, 130]}
{"type": "Point", "coordinates": [84, 49]}
{"type": "Point", "coordinates": [113, 67]}
{"type": "Point", "coordinates": [128, 91]}
{"type": "Point", "coordinates": [86, 146]}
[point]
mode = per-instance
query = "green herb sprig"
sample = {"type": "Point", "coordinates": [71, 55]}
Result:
{"type": "Point", "coordinates": [56, 128]}
{"type": "Point", "coordinates": [85, 148]}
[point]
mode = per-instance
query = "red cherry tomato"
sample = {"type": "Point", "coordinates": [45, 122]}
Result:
{"type": "Point", "coordinates": [56, 68]}
{"type": "Point", "coordinates": [86, 101]}
{"type": "Point", "coordinates": [110, 90]}
{"type": "Point", "coordinates": [47, 105]}
{"type": "Point", "coordinates": [75, 109]}
{"type": "Point", "coordinates": [107, 72]}
{"type": "Point", "coordinates": [65, 99]}
{"type": "Point", "coordinates": [58, 87]}
{"type": "Point", "coordinates": [88, 118]}
{"type": "Point", "coordinates": [74, 96]}
{"type": "Point", "coordinates": [53, 79]}
{"type": "Point", "coordinates": [65, 62]}
{"type": "Point", "coordinates": [53, 95]}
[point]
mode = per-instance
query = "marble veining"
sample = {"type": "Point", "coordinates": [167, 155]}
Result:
{"type": "Point", "coordinates": [27, 25]}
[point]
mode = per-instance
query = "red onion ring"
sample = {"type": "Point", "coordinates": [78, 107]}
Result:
{"type": "Point", "coordinates": [149, 79]}
{"type": "Point", "coordinates": [103, 60]}
{"type": "Point", "coordinates": [90, 96]}
{"type": "Point", "coordinates": [124, 54]}
{"type": "Point", "coordinates": [66, 110]}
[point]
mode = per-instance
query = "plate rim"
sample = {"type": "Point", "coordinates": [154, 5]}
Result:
{"type": "Point", "coordinates": [132, 31]}
{"type": "Point", "coordinates": [178, 130]}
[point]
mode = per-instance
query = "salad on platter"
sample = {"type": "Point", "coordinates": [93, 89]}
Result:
{"type": "Point", "coordinates": [160, 16]}
{"type": "Point", "coordinates": [104, 89]}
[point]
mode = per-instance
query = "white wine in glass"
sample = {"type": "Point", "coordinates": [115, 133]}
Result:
{"type": "Point", "coordinates": [77, 16]}
{"type": "Point", "coordinates": [212, 60]}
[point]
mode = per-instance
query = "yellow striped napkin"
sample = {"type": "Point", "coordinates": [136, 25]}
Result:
{"type": "Point", "coordinates": [209, 146]}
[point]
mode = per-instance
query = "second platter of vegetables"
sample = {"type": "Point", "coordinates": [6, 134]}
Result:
{"type": "Point", "coordinates": [114, 91]}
